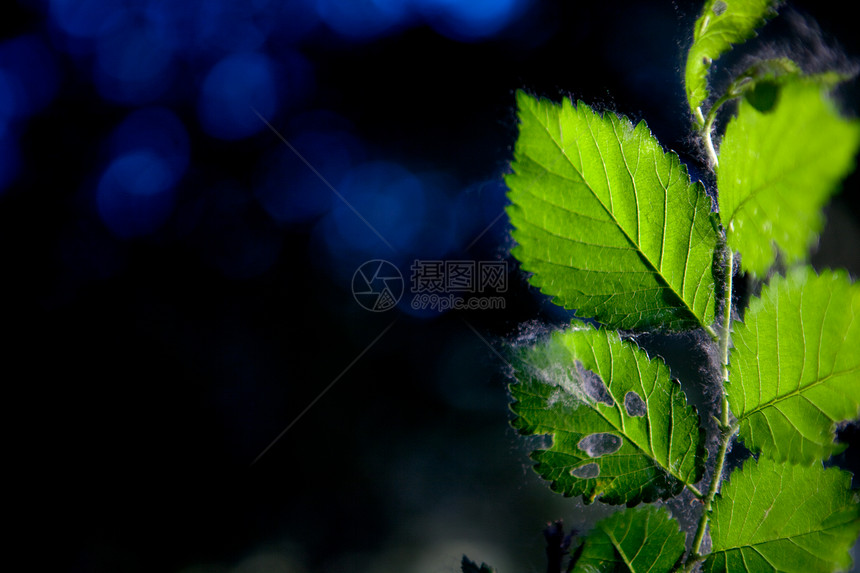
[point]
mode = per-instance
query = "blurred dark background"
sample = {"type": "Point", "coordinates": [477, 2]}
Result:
{"type": "Point", "coordinates": [178, 281]}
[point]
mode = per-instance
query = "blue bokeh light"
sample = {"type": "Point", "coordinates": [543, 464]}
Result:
{"type": "Point", "coordinates": [135, 194]}
{"type": "Point", "coordinates": [8, 107]}
{"type": "Point", "coordinates": [480, 213]}
{"type": "Point", "coordinates": [290, 191]}
{"type": "Point", "coordinates": [86, 18]}
{"type": "Point", "coordinates": [363, 19]}
{"type": "Point", "coordinates": [134, 61]}
{"type": "Point", "coordinates": [296, 80]}
{"type": "Point", "coordinates": [413, 212]}
{"type": "Point", "coordinates": [437, 236]}
{"type": "Point", "coordinates": [294, 20]}
{"type": "Point", "coordinates": [31, 76]}
{"type": "Point", "coordinates": [156, 130]}
{"type": "Point", "coordinates": [212, 29]}
{"type": "Point", "coordinates": [383, 203]}
{"type": "Point", "coordinates": [470, 20]}
{"type": "Point", "coordinates": [235, 87]}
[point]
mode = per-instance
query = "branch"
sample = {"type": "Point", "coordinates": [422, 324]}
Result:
{"type": "Point", "coordinates": [727, 431]}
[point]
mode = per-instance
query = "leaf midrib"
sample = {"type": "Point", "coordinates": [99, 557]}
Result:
{"type": "Point", "coordinates": [617, 545]}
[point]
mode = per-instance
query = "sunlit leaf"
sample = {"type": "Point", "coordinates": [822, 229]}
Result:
{"type": "Point", "coordinates": [608, 223]}
{"type": "Point", "coordinates": [721, 24]}
{"type": "Point", "coordinates": [795, 367]}
{"type": "Point", "coordinates": [772, 516]}
{"type": "Point", "coordinates": [778, 168]}
{"type": "Point", "coordinates": [621, 428]}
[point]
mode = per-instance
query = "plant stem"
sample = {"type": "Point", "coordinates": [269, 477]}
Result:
{"type": "Point", "coordinates": [709, 147]}
{"type": "Point", "coordinates": [726, 431]}
{"type": "Point", "coordinates": [706, 127]}
{"type": "Point", "coordinates": [695, 555]}
{"type": "Point", "coordinates": [712, 333]}
{"type": "Point", "coordinates": [695, 491]}
{"type": "Point", "coordinates": [700, 119]}
{"type": "Point", "coordinates": [726, 333]}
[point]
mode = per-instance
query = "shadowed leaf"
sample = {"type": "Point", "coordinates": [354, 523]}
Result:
{"type": "Point", "coordinates": [599, 449]}
{"type": "Point", "coordinates": [638, 540]}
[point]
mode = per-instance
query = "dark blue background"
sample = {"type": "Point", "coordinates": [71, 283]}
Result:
{"type": "Point", "coordinates": [176, 280]}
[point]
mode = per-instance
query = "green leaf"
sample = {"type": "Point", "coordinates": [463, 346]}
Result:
{"type": "Point", "coordinates": [636, 540]}
{"type": "Point", "coordinates": [795, 367]}
{"type": "Point", "coordinates": [778, 169]}
{"type": "Point", "coordinates": [781, 517]}
{"type": "Point", "coordinates": [621, 428]}
{"type": "Point", "coordinates": [609, 224]}
{"type": "Point", "coordinates": [721, 24]}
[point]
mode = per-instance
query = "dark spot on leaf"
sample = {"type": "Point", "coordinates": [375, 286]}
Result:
{"type": "Point", "coordinates": [763, 96]}
{"type": "Point", "coordinates": [593, 385]}
{"type": "Point", "coordinates": [596, 445]}
{"type": "Point", "coordinates": [719, 7]}
{"type": "Point", "coordinates": [587, 471]}
{"type": "Point", "coordinates": [634, 405]}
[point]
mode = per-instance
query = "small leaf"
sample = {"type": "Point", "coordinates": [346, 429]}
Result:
{"type": "Point", "coordinates": [777, 170]}
{"type": "Point", "coordinates": [636, 540]}
{"type": "Point", "coordinates": [574, 387]}
{"type": "Point", "coordinates": [781, 517]}
{"type": "Point", "coordinates": [609, 224]}
{"type": "Point", "coordinates": [759, 82]}
{"type": "Point", "coordinates": [795, 367]}
{"type": "Point", "coordinates": [721, 24]}
{"type": "Point", "coordinates": [469, 566]}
